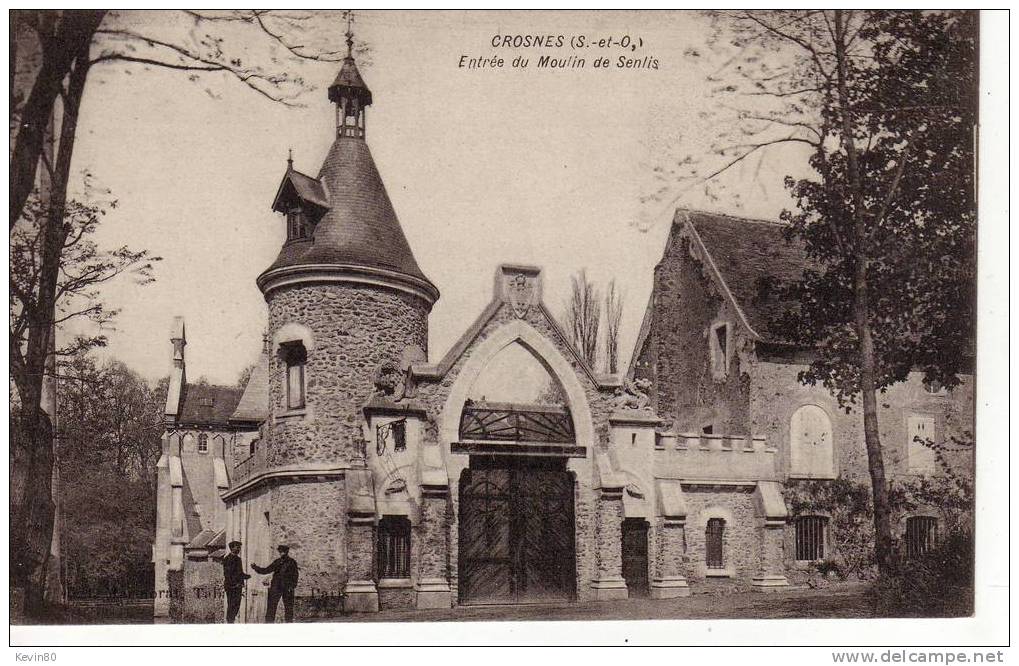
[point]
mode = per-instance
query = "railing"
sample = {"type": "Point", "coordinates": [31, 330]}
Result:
{"type": "Point", "coordinates": [250, 466]}
{"type": "Point", "coordinates": [716, 457]}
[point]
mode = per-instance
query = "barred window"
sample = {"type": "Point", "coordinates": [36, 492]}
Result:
{"type": "Point", "coordinates": [203, 443]}
{"type": "Point", "coordinates": [713, 538]}
{"type": "Point", "coordinates": [810, 531]}
{"type": "Point", "coordinates": [921, 535]}
{"type": "Point", "coordinates": [394, 547]}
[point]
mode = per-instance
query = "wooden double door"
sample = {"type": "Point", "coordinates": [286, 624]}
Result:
{"type": "Point", "coordinates": [516, 531]}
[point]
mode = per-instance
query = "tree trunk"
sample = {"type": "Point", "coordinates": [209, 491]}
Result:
{"type": "Point", "coordinates": [32, 466]}
{"type": "Point", "coordinates": [861, 316]}
{"type": "Point", "coordinates": [71, 38]}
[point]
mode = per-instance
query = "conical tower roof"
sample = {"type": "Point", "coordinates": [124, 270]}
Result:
{"type": "Point", "coordinates": [354, 228]}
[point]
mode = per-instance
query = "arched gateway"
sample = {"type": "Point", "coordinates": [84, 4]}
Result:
{"type": "Point", "coordinates": [403, 484]}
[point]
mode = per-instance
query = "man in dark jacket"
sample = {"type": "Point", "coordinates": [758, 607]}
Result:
{"type": "Point", "coordinates": [284, 581]}
{"type": "Point", "coordinates": [233, 580]}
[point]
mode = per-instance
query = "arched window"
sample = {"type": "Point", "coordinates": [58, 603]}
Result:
{"type": "Point", "coordinates": [713, 543]}
{"type": "Point", "coordinates": [294, 356]}
{"type": "Point", "coordinates": [921, 535]}
{"type": "Point", "coordinates": [811, 452]}
{"type": "Point", "coordinates": [810, 537]}
{"type": "Point", "coordinates": [203, 443]}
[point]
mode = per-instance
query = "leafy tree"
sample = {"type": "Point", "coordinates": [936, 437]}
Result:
{"type": "Point", "coordinates": [885, 101]}
{"type": "Point", "coordinates": [52, 54]}
{"type": "Point", "coordinates": [82, 269]}
{"type": "Point", "coordinates": [109, 442]}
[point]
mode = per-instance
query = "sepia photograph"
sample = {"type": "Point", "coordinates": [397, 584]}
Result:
{"type": "Point", "coordinates": [583, 318]}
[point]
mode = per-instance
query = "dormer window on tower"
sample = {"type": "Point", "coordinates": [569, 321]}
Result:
{"type": "Point", "coordinates": [297, 224]}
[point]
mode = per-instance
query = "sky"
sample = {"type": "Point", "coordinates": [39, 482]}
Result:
{"type": "Point", "coordinates": [484, 166]}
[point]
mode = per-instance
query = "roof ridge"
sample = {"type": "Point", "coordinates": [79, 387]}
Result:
{"type": "Point", "coordinates": [755, 220]}
{"type": "Point", "coordinates": [301, 173]}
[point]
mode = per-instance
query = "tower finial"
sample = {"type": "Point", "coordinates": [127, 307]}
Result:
{"type": "Point", "coordinates": [290, 159]}
{"type": "Point", "coordinates": [350, 34]}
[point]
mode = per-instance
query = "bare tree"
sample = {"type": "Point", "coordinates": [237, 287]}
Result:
{"type": "Point", "coordinates": [583, 317]}
{"type": "Point", "coordinates": [613, 317]}
{"type": "Point", "coordinates": [61, 48]}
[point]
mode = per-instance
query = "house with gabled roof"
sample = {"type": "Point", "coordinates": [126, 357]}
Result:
{"type": "Point", "coordinates": [717, 367]}
{"type": "Point", "coordinates": [197, 460]}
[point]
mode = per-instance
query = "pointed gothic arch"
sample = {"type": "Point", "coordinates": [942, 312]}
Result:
{"type": "Point", "coordinates": [545, 352]}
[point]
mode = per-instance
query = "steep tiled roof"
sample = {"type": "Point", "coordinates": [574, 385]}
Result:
{"type": "Point", "coordinates": [360, 227]}
{"type": "Point", "coordinates": [349, 81]}
{"type": "Point", "coordinates": [306, 187]}
{"type": "Point", "coordinates": [207, 404]}
{"type": "Point", "coordinates": [254, 403]}
{"type": "Point", "coordinates": [753, 258]}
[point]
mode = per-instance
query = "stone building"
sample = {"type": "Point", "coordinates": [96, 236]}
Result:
{"type": "Point", "coordinates": [720, 377]}
{"type": "Point", "coordinates": [403, 482]}
{"type": "Point", "coordinates": [197, 454]}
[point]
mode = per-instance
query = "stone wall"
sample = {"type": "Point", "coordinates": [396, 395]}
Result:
{"type": "Point", "coordinates": [355, 329]}
{"type": "Point", "coordinates": [686, 304]}
{"type": "Point", "coordinates": [204, 599]}
{"type": "Point", "coordinates": [741, 551]}
{"type": "Point", "coordinates": [776, 394]}
{"type": "Point", "coordinates": [310, 516]}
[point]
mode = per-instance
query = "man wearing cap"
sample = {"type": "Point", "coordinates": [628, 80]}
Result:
{"type": "Point", "coordinates": [284, 581]}
{"type": "Point", "coordinates": [233, 580]}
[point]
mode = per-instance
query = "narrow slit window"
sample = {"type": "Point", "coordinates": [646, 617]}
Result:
{"type": "Point", "coordinates": [718, 344]}
{"type": "Point", "coordinates": [714, 541]}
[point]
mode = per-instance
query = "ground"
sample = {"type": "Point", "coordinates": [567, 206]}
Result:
{"type": "Point", "coordinates": [847, 601]}
{"type": "Point", "coordinates": [842, 601]}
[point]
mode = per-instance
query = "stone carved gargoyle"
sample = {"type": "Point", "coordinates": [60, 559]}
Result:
{"type": "Point", "coordinates": [387, 379]}
{"type": "Point", "coordinates": [633, 395]}
{"type": "Point", "coordinates": [396, 381]}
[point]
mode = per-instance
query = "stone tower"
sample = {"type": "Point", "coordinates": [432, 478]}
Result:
{"type": "Point", "coordinates": [346, 298]}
